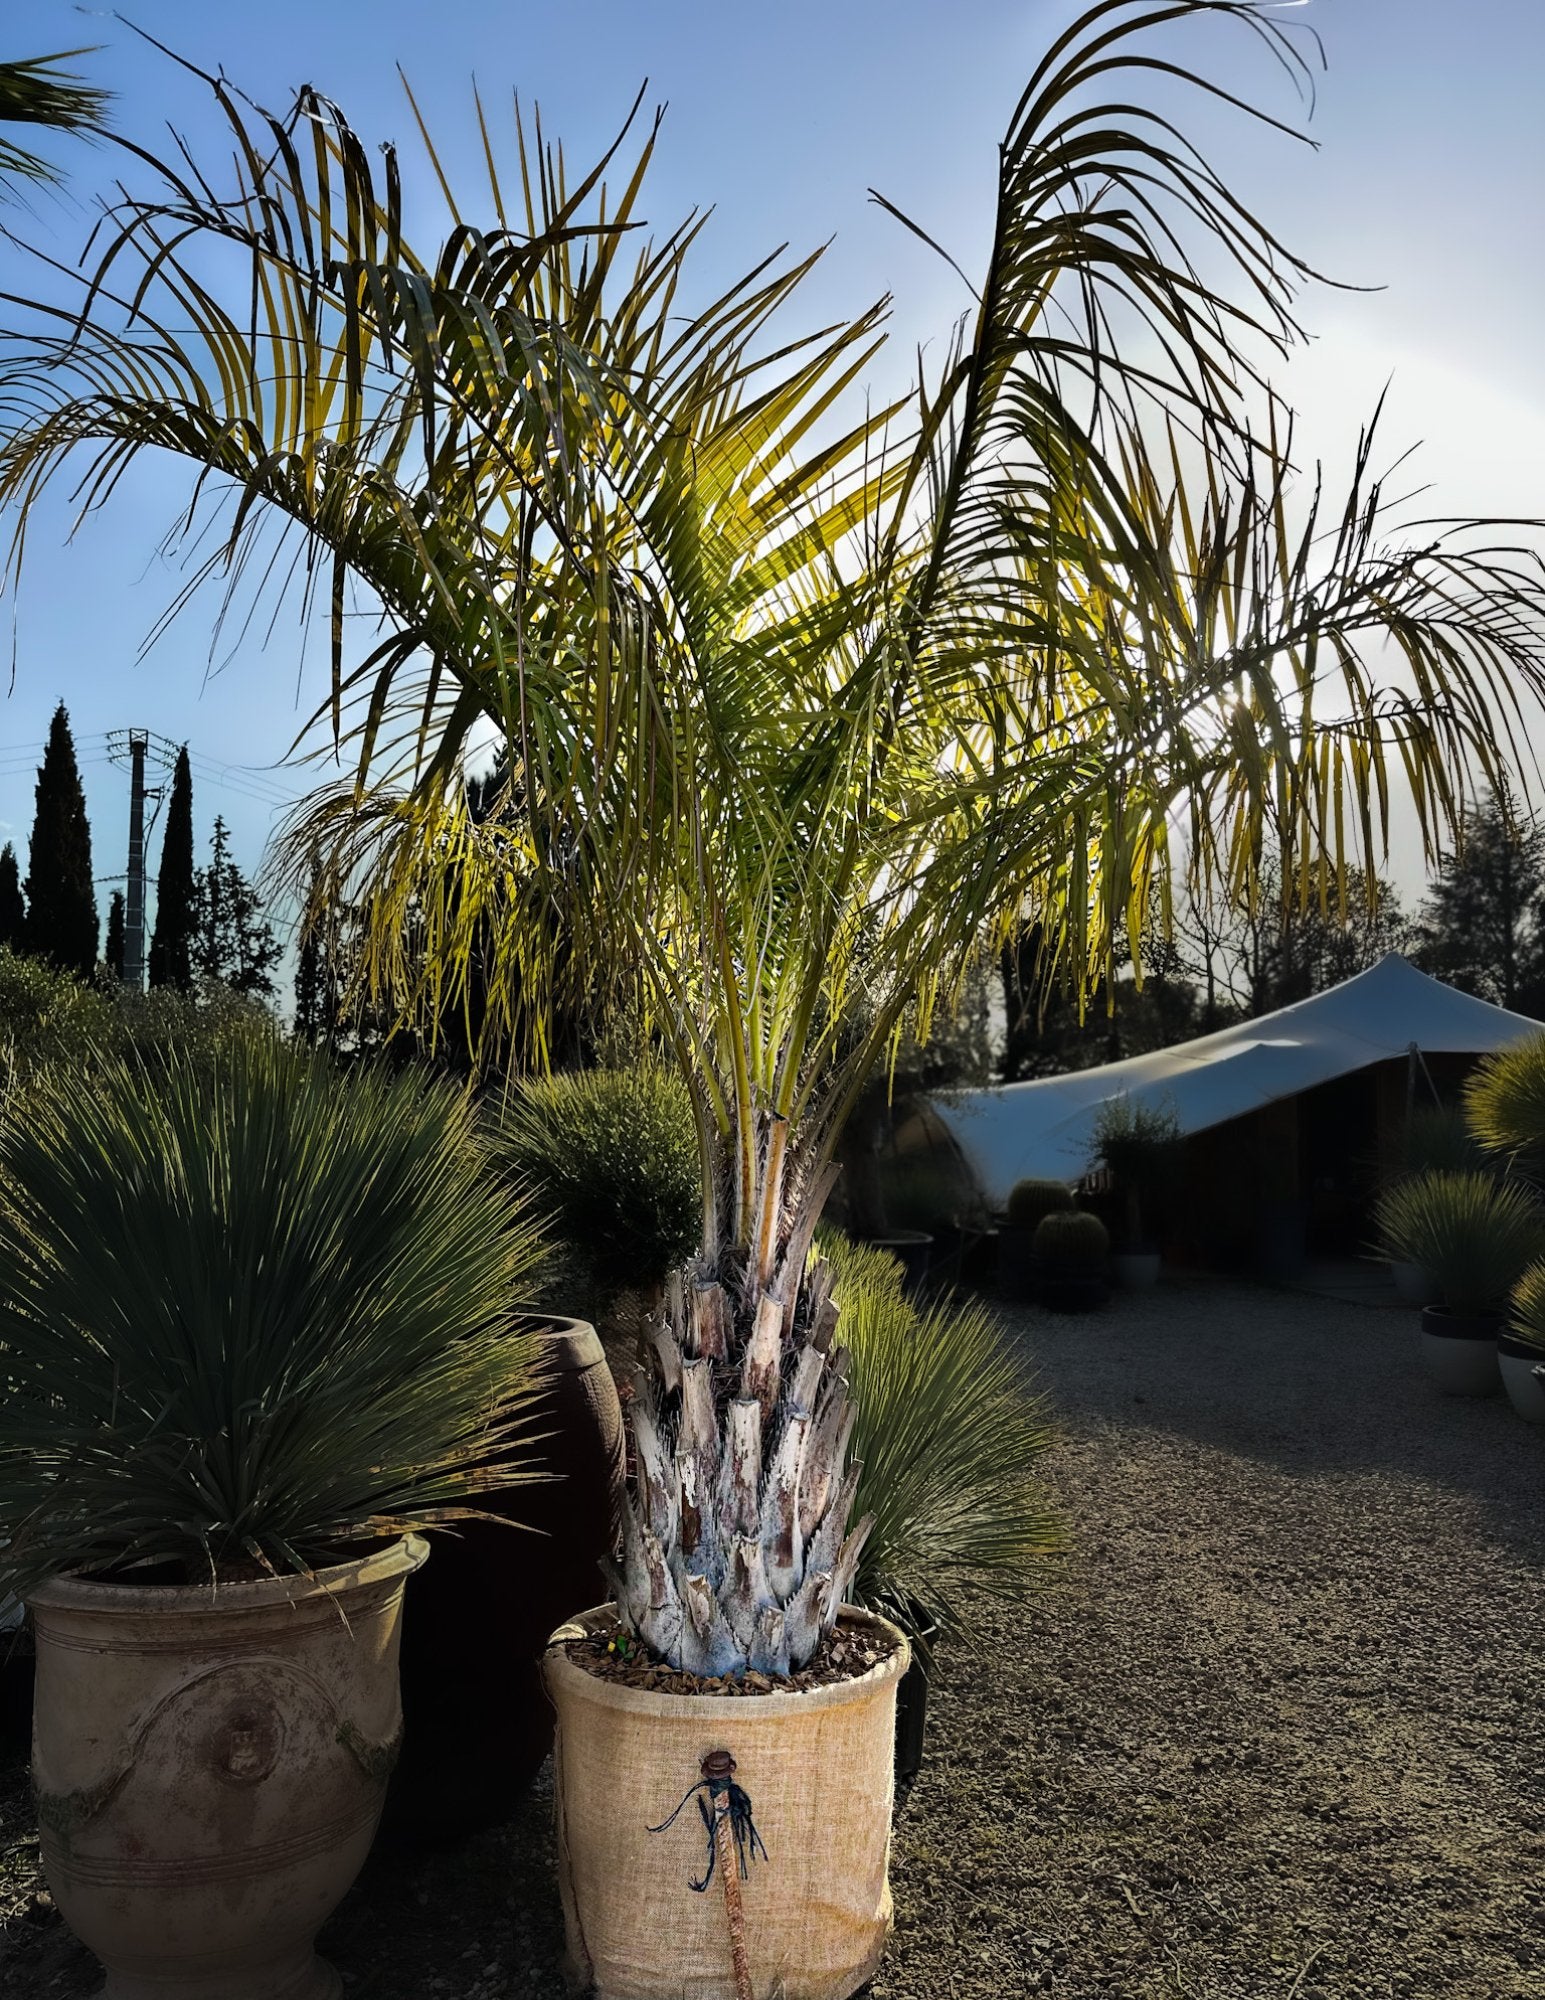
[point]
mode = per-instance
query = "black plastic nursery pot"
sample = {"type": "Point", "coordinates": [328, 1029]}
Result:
{"type": "Point", "coordinates": [913, 1248]}
{"type": "Point", "coordinates": [912, 1698]}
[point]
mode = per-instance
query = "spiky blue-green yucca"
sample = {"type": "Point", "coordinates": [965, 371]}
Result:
{"type": "Point", "coordinates": [250, 1312]}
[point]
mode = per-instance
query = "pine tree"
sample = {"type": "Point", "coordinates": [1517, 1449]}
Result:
{"type": "Point", "coordinates": [62, 923]}
{"type": "Point", "coordinates": [13, 910]}
{"type": "Point", "coordinates": [172, 937]}
{"type": "Point", "coordinates": [115, 935]}
{"type": "Point", "coordinates": [231, 939]}
{"type": "Point", "coordinates": [1483, 922]}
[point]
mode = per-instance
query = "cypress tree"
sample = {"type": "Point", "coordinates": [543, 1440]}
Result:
{"type": "Point", "coordinates": [13, 910]}
{"type": "Point", "coordinates": [61, 923]}
{"type": "Point", "coordinates": [115, 935]}
{"type": "Point", "coordinates": [171, 939]}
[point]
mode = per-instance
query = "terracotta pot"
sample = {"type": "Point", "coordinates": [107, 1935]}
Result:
{"type": "Point", "coordinates": [478, 1721]}
{"type": "Point", "coordinates": [1459, 1351]}
{"type": "Point", "coordinates": [210, 1766]}
{"type": "Point", "coordinates": [818, 1770]}
{"type": "Point", "coordinates": [1523, 1364]}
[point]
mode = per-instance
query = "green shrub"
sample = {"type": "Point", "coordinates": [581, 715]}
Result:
{"type": "Point", "coordinates": [950, 1435]}
{"type": "Point", "coordinates": [611, 1156]}
{"type": "Point", "coordinates": [249, 1311]}
{"type": "Point", "coordinates": [1030, 1200]}
{"type": "Point", "coordinates": [1073, 1241]}
{"type": "Point", "coordinates": [48, 1016]}
{"type": "Point", "coordinates": [1473, 1233]}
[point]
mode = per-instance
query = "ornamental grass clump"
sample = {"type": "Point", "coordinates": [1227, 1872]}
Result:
{"type": "Point", "coordinates": [250, 1313]}
{"type": "Point", "coordinates": [1473, 1233]}
{"type": "Point", "coordinates": [949, 1436]}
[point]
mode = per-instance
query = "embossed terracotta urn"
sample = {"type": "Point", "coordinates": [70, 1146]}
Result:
{"type": "Point", "coordinates": [210, 1765]}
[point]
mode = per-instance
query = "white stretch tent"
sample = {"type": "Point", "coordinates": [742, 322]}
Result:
{"type": "Point", "coordinates": [1044, 1130]}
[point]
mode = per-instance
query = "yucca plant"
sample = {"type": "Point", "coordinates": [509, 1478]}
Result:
{"type": "Point", "coordinates": [1504, 1102]}
{"type": "Point", "coordinates": [250, 1313]}
{"type": "Point", "coordinates": [1436, 1138]}
{"type": "Point", "coordinates": [1526, 1307]}
{"type": "Point", "coordinates": [1473, 1233]}
{"type": "Point", "coordinates": [950, 1436]}
{"type": "Point", "coordinates": [798, 707]}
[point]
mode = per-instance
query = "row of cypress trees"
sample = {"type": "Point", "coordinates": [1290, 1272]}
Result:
{"type": "Point", "coordinates": [206, 921]}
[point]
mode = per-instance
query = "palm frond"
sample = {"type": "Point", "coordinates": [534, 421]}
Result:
{"type": "Point", "coordinates": [38, 91]}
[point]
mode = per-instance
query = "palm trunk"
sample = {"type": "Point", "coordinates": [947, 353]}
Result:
{"type": "Point", "coordinates": [737, 1552]}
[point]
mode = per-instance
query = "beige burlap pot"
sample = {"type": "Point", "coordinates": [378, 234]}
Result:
{"type": "Point", "coordinates": [817, 1768]}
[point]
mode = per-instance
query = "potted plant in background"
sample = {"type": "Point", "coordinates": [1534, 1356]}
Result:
{"type": "Point", "coordinates": [1138, 1145]}
{"type": "Point", "coordinates": [1030, 1202]}
{"type": "Point", "coordinates": [254, 1335]}
{"type": "Point", "coordinates": [1476, 1235]}
{"type": "Point", "coordinates": [1434, 1139]}
{"type": "Point", "coordinates": [1072, 1259]}
{"type": "Point", "coordinates": [1505, 1114]}
{"type": "Point", "coordinates": [1521, 1346]}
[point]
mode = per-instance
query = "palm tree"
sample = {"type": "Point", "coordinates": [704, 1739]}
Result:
{"type": "Point", "coordinates": [798, 709]}
{"type": "Point", "coordinates": [38, 92]}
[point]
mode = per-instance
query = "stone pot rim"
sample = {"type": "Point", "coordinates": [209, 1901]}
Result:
{"type": "Point", "coordinates": [723, 1708]}
{"type": "Point", "coordinates": [377, 1565]}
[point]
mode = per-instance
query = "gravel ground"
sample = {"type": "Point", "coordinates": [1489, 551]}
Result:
{"type": "Point", "coordinates": [1277, 1736]}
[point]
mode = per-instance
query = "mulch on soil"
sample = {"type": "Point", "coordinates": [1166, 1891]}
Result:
{"type": "Point", "coordinates": [843, 1655]}
{"type": "Point", "coordinates": [1279, 1735]}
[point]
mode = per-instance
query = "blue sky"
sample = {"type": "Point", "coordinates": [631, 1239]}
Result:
{"type": "Point", "coordinates": [1429, 180]}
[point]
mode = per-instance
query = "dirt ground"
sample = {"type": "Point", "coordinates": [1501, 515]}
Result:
{"type": "Point", "coordinates": [1278, 1735]}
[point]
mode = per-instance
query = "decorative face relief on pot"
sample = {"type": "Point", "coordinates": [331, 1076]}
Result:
{"type": "Point", "coordinates": [246, 1744]}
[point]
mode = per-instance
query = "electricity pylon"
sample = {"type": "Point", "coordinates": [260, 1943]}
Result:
{"type": "Point", "coordinates": [133, 747]}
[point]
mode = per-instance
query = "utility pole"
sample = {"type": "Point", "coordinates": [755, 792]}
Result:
{"type": "Point", "coordinates": [134, 746]}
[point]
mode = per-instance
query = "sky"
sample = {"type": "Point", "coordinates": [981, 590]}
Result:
{"type": "Point", "coordinates": [1427, 181]}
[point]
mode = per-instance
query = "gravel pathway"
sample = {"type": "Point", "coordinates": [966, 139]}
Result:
{"type": "Point", "coordinates": [1277, 1736]}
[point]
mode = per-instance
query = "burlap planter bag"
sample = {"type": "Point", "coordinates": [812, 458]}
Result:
{"type": "Point", "coordinates": [818, 1770]}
